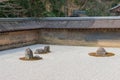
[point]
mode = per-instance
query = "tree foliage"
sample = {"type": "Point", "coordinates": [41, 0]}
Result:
{"type": "Point", "coordinates": [54, 8]}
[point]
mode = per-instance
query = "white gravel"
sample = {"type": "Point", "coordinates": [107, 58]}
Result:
{"type": "Point", "coordinates": [63, 63]}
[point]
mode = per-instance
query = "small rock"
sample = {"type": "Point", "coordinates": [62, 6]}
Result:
{"type": "Point", "coordinates": [101, 51]}
{"type": "Point", "coordinates": [39, 51]}
{"type": "Point", "coordinates": [37, 56]}
{"type": "Point", "coordinates": [47, 49]}
{"type": "Point", "coordinates": [28, 54]}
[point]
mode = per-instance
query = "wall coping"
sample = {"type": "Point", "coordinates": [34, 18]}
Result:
{"type": "Point", "coordinates": [62, 18]}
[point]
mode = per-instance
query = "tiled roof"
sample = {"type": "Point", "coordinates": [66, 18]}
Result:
{"type": "Point", "coordinates": [115, 8]}
{"type": "Point", "coordinates": [12, 24]}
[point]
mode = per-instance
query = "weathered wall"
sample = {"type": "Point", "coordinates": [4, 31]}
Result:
{"type": "Point", "coordinates": [18, 38]}
{"type": "Point", "coordinates": [89, 31]}
{"type": "Point", "coordinates": [80, 37]}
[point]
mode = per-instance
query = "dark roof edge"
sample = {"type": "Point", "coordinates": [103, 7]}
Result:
{"type": "Point", "coordinates": [62, 18]}
{"type": "Point", "coordinates": [114, 7]}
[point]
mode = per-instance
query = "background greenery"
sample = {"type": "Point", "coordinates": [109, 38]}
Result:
{"type": "Point", "coordinates": [54, 8]}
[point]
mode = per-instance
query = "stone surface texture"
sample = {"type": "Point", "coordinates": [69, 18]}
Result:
{"type": "Point", "coordinates": [39, 51]}
{"type": "Point", "coordinates": [28, 54]}
{"type": "Point", "coordinates": [47, 49]}
{"type": "Point", "coordinates": [101, 51]}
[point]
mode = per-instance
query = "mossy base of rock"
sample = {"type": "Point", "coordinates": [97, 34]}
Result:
{"type": "Point", "coordinates": [33, 59]}
{"type": "Point", "coordinates": [108, 54]}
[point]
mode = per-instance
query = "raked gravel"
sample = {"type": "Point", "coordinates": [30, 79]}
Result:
{"type": "Point", "coordinates": [63, 63]}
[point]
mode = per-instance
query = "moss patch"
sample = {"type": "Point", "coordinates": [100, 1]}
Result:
{"type": "Point", "coordinates": [33, 59]}
{"type": "Point", "coordinates": [108, 54]}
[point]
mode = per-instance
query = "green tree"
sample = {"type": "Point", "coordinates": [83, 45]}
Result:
{"type": "Point", "coordinates": [34, 8]}
{"type": "Point", "coordinates": [56, 7]}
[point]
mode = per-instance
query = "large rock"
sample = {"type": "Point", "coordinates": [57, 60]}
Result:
{"type": "Point", "coordinates": [47, 49]}
{"type": "Point", "coordinates": [28, 54]}
{"type": "Point", "coordinates": [101, 51]}
{"type": "Point", "coordinates": [39, 51]}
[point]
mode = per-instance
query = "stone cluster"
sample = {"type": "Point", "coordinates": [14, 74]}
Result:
{"type": "Point", "coordinates": [29, 52]}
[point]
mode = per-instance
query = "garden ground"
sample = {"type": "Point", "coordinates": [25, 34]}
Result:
{"type": "Point", "coordinates": [63, 63]}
